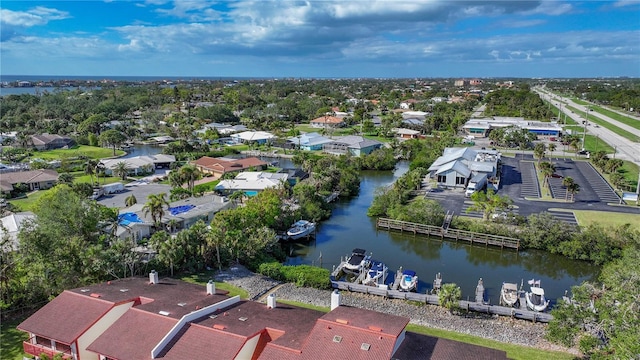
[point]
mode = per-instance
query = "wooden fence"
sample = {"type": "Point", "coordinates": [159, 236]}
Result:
{"type": "Point", "coordinates": [463, 235]}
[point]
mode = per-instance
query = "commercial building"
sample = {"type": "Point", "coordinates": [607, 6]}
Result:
{"type": "Point", "coordinates": [482, 127]}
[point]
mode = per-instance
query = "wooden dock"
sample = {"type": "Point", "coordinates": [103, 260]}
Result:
{"type": "Point", "coordinates": [455, 234]}
{"type": "Point", "coordinates": [523, 314]}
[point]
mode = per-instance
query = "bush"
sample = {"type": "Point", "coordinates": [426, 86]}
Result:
{"type": "Point", "coordinates": [301, 275]}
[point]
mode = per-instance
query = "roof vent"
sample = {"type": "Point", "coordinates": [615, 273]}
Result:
{"type": "Point", "coordinates": [153, 277]}
{"type": "Point", "coordinates": [365, 346]}
{"type": "Point", "coordinates": [342, 321]}
{"type": "Point", "coordinates": [243, 318]}
{"type": "Point", "coordinates": [213, 316]}
{"type": "Point", "coordinates": [182, 304]}
{"type": "Point", "coordinates": [165, 313]}
{"type": "Point", "coordinates": [219, 326]}
{"type": "Point", "coordinates": [337, 338]}
{"type": "Point", "coordinates": [375, 328]}
{"type": "Point", "coordinates": [95, 295]}
{"type": "Point", "coordinates": [84, 290]}
{"type": "Point", "coordinates": [124, 290]}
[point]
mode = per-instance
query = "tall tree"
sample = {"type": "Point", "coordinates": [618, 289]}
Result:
{"type": "Point", "coordinates": [489, 203]}
{"type": "Point", "coordinates": [155, 207]}
{"type": "Point", "coordinates": [113, 138]}
{"type": "Point", "coordinates": [121, 170]}
{"type": "Point", "coordinates": [567, 182]}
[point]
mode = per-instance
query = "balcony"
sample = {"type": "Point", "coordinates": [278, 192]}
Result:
{"type": "Point", "coordinates": [37, 349]}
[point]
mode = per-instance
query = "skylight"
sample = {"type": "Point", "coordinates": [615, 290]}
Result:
{"type": "Point", "coordinates": [337, 338]}
{"type": "Point", "coordinates": [365, 346]}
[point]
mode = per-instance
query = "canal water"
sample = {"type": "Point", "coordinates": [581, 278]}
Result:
{"type": "Point", "coordinates": [349, 227]}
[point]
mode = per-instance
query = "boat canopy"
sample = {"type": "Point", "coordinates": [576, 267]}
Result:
{"type": "Point", "coordinates": [409, 272]}
{"type": "Point", "coordinates": [537, 291]}
{"type": "Point", "coordinates": [510, 286]}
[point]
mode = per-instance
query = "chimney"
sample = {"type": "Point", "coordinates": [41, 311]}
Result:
{"type": "Point", "coordinates": [336, 299]}
{"type": "Point", "coordinates": [211, 288]}
{"type": "Point", "coordinates": [271, 301]}
{"type": "Point", "coordinates": [153, 277]}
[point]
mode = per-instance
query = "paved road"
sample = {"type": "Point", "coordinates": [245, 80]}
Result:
{"type": "Point", "coordinates": [625, 148]}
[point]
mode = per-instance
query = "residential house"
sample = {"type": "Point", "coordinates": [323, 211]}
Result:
{"type": "Point", "coordinates": [34, 179]}
{"type": "Point", "coordinates": [143, 164]}
{"type": "Point", "coordinates": [144, 319]}
{"type": "Point", "coordinates": [406, 134]}
{"type": "Point", "coordinates": [352, 144]}
{"type": "Point", "coordinates": [51, 141]}
{"type": "Point", "coordinates": [251, 182]}
{"type": "Point", "coordinates": [11, 226]}
{"type": "Point", "coordinates": [309, 141]}
{"type": "Point", "coordinates": [327, 121]}
{"type": "Point", "coordinates": [456, 165]}
{"type": "Point", "coordinates": [220, 166]}
{"type": "Point", "coordinates": [223, 129]}
{"type": "Point", "coordinates": [259, 137]}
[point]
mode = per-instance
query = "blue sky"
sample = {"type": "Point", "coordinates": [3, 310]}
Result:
{"type": "Point", "coordinates": [321, 38]}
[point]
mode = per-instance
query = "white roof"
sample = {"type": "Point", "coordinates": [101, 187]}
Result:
{"type": "Point", "coordinates": [252, 180]}
{"type": "Point", "coordinates": [139, 161]}
{"type": "Point", "coordinates": [12, 225]}
{"type": "Point", "coordinates": [253, 135]}
{"type": "Point", "coordinates": [456, 166]}
{"type": "Point", "coordinates": [403, 131]}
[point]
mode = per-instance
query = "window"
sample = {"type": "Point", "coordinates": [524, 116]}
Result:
{"type": "Point", "coordinates": [43, 341]}
{"type": "Point", "coordinates": [442, 178]}
{"type": "Point", "coordinates": [460, 180]}
{"type": "Point", "coordinates": [63, 347]}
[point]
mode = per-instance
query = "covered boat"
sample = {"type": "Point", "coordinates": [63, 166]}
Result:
{"type": "Point", "coordinates": [508, 294]}
{"type": "Point", "coordinates": [409, 280]}
{"type": "Point", "coordinates": [535, 298]}
{"type": "Point", "coordinates": [357, 262]}
{"type": "Point", "coordinates": [301, 228]}
{"type": "Point", "coordinates": [377, 274]}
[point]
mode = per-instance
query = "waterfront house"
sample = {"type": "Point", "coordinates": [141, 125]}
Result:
{"type": "Point", "coordinates": [309, 141]}
{"type": "Point", "coordinates": [406, 134]}
{"type": "Point", "coordinates": [456, 165]}
{"type": "Point", "coordinates": [251, 182]}
{"type": "Point", "coordinates": [144, 164]}
{"type": "Point", "coordinates": [352, 144]}
{"type": "Point", "coordinates": [220, 166]}
{"type": "Point", "coordinates": [258, 137]}
{"type": "Point", "coordinates": [34, 179]}
{"type": "Point", "coordinates": [163, 318]}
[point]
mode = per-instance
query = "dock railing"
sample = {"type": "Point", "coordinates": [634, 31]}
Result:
{"type": "Point", "coordinates": [456, 234]}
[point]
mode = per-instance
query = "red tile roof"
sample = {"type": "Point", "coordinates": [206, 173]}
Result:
{"type": "Point", "coordinates": [327, 120]}
{"type": "Point", "coordinates": [198, 342]}
{"type": "Point", "coordinates": [66, 317]}
{"type": "Point", "coordinates": [133, 336]}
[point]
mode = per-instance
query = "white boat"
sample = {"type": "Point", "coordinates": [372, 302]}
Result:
{"type": "Point", "coordinates": [301, 228]}
{"type": "Point", "coordinates": [509, 294]}
{"type": "Point", "coordinates": [377, 274]}
{"type": "Point", "coordinates": [357, 262]}
{"type": "Point", "coordinates": [409, 280]}
{"type": "Point", "coordinates": [535, 298]}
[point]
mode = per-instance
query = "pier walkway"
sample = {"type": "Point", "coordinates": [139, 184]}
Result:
{"type": "Point", "coordinates": [462, 235]}
{"type": "Point", "coordinates": [517, 313]}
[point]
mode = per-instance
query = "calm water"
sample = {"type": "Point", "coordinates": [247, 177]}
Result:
{"type": "Point", "coordinates": [350, 227]}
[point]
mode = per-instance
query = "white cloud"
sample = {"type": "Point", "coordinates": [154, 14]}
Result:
{"type": "Point", "coordinates": [621, 3]}
{"type": "Point", "coordinates": [36, 16]}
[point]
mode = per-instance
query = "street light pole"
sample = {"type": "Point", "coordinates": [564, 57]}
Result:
{"type": "Point", "coordinates": [586, 121]}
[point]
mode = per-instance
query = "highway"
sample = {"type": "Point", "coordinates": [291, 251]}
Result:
{"type": "Point", "coordinates": [625, 148]}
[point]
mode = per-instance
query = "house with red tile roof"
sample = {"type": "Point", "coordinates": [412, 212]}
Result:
{"type": "Point", "coordinates": [327, 122]}
{"type": "Point", "coordinates": [142, 319]}
{"type": "Point", "coordinates": [220, 166]}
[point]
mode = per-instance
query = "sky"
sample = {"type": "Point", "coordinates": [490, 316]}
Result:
{"type": "Point", "coordinates": [321, 38]}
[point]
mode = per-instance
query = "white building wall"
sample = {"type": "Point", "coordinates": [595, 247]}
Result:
{"type": "Point", "coordinates": [249, 348]}
{"type": "Point", "coordinates": [98, 328]}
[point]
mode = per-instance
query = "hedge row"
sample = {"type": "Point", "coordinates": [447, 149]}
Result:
{"type": "Point", "coordinates": [301, 275]}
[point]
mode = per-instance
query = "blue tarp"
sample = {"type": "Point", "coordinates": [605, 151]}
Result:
{"type": "Point", "coordinates": [128, 218]}
{"type": "Point", "coordinates": [180, 209]}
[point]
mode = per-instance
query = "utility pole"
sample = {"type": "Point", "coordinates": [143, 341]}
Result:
{"type": "Point", "coordinates": [586, 121]}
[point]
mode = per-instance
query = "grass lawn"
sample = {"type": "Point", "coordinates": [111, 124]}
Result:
{"type": "Point", "coordinates": [615, 116]}
{"type": "Point", "coordinates": [26, 204]}
{"type": "Point", "coordinates": [593, 144]}
{"type": "Point", "coordinates": [630, 171]}
{"type": "Point", "coordinates": [11, 340]}
{"type": "Point", "coordinates": [92, 152]}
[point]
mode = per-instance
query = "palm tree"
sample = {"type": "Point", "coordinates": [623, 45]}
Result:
{"type": "Point", "coordinates": [155, 206]}
{"type": "Point", "coordinates": [121, 170]}
{"type": "Point", "coordinates": [567, 182]}
{"type": "Point", "coordinates": [547, 170]}
{"type": "Point", "coordinates": [488, 203]}
{"type": "Point", "coordinates": [90, 168]}
{"type": "Point", "coordinates": [189, 174]}
{"type": "Point", "coordinates": [552, 147]}
{"type": "Point", "coordinates": [130, 200]}
{"type": "Point", "coordinates": [539, 151]}
{"type": "Point", "coordinates": [573, 189]}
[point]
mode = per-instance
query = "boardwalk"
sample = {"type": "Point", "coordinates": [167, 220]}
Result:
{"type": "Point", "coordinates": [523, 314]}
{"type": "Point", "coordinates": [458, 235]}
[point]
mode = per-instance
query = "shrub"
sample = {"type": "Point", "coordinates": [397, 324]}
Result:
{"type": "Point", "coordinates": [301, 275]}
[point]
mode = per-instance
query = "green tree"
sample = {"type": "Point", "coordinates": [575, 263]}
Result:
{"type": "Point", "coordinates": [130, 200]}
{"type": "Point", "coordinates": [113, 138]}
{"type": "Point", "coordinates": [449, 296]}
{"type": "Point", "coordinates": [547, 169]}
{"type": "Point", "coordinates": [539, 151]}
{"type": "Point", "coordinates": [121, 170]}
{"type": "Point", "coordinates": [90, 168]}
{"type": "Point", "coordinates": [65, 178]}
{"type": "Point", "coordinates": [155, 207]}
{"type": "Point", "coordinates": [567, 182]}
{"type": "Point", "coordinates": [489, 203]}
{"type": "Point", "coordinates": [573, 190]}
{"type": "Point", "coordinates": [189, 174]}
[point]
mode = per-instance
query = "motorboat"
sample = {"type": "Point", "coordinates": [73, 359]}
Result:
{"type": "Point", "coordinates": [300, 229]}
{"type": "Point", "coordinates": [377, 274]}
{"type": "Point", "coordinates": [357, 262]}
{"type": "Point", "coordinates": [509, 294]}
{"type": "Point", "coordinates": [535, 298]}
{"type": "Point", "coordinates": [409, 280]}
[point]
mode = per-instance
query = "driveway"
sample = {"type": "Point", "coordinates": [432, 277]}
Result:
{"type": "Point", "coordinates": [138, 189]}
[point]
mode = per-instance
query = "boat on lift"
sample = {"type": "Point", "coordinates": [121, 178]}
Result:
{"type": "Point", "coordinates": [509, 294]}
{"type": "Point", "coordinates": [535, 297]}
{"type": "Point", "coordinates": [357, 262]}
{"type": "Point", "coordinates": [300, 229]}
{"type": "Point", "coordinates": [409, 280]}
{"type": "Point", "coordinates": [377, 274]}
